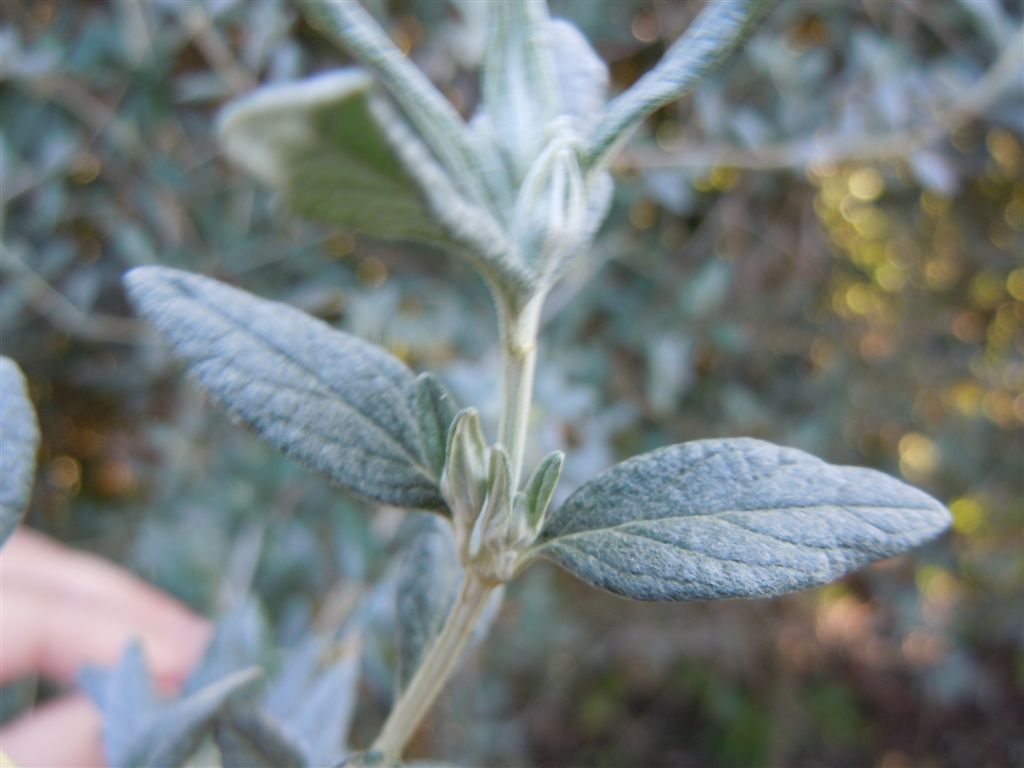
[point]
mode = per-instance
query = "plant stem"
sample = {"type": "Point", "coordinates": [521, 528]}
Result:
{"type": "Point", "coordinates": [519, 348]}
{"type": "Point", "coordinates": [435, 668]}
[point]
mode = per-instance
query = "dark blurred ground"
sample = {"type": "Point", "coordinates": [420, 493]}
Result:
{"type": "Point", "coordinates": [822, 247]}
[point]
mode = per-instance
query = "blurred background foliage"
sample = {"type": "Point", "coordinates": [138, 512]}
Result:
{"type": "Point", "coordinates": [821, 247]}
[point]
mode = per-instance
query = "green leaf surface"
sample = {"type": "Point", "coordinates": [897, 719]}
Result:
{"type": "Point", "coordinates": [337, 404]}
{"type": "Point", "coordinates": [733, 518]}
{"type": "Point", "coordinates": [19, 441]}
{"type": "Point", "coordinates": [704, 45]}
{"type": "Point", "coordinates": [320, 142]}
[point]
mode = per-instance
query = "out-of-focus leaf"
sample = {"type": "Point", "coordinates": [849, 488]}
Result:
{"type": "Point", "coordinates": [320, 143]}
{"type": "Point", "coordinates": [427, 585]}
{"type": "Point", "coordinates": [19, 440]}
{"type": "Point", "coordinates": [237, 643]}
{"type": "Point", "coordinates": [253, 740]}
{"type": "Point", "coordinates": [581, 75]}
{"type": "Point", "coordinates": [174, 736]}
{"type": "Point", "coordinates": [313, 698]}
{"type": "Point", "coordinates": [140, 729]}
{"type": "Point", "coordinates": [339, 405]}
{"type": "Point", "coordinates": [128, 701]}
{"type": "Point", "coordinates": [733, 518]}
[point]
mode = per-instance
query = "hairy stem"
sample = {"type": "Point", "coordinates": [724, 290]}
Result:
{"type": "Point", "coordinates": [435, 669]}
{"type": "Point", "coordinates": [519, 350]}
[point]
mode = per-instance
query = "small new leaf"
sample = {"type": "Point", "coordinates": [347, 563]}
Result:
{"type": "Point", "coordinates": [337, 404]}
{"type": "Point", "coordinates": [733, 518]}
{"type": "Point", "coordinates": [19, 440]}
{"type": "Point", "coordinates": [465, 468]}
{"type": "Point", "coordinates": [320, 143]}
{"type": "Point", "coordinates": [435, 411]}
{"type": "Point", "coordinates": [541, 487]}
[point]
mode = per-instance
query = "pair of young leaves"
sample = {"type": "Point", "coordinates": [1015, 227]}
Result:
{"type": "Point", "coordinates": [520, 189]}
{"type": "Point", "coordinates": [700, 520]}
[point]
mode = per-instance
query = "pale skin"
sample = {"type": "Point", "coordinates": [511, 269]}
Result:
{"type": "Point", "coordinates": [60, 610]}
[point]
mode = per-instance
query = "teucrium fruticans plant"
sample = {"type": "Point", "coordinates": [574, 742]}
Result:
{"type": "Point", "coordinates": [520, 190]}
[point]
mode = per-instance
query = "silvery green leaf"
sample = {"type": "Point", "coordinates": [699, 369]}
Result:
{"type": "Point", "coordinates": [337, 404]}
{"type": "Point", "coordinates": [435, 119]}
{"type": "Point", "coordinates": [19, 440]}
{"type": "Point", "coordinates": [126, 697]}
{"type": "Point", "coordinates": [465, 467]}
{"type": "Point", "coordinates": [141, 729]}
{"type": "Point", "coordinates": [518, 81]}
{"type": "Point", "coordinates": [428, 582]}
{"type": "Point", "coordinates": [313, 698]}
{"type": "Point", "coordinates": [435, 411]}
{"type": "Point", "coordinates": [320, 143]}
{"type": "Point", "coordinates": [179, 730]}
{"type": "Point", "coordinates": [238, 643]}
{"type": "Point", "coordinates": [541, 487]}
{"type": "Point", "coordinates": [704, 45]}
{"type": "Point", "coordinates": [581, 75]}
{"type": "Point", "coordinates": [250, 739]}
{"type": "Point", "coordinates": [470, 227]}
{"type": "Point", "coordinates": [733, 518]}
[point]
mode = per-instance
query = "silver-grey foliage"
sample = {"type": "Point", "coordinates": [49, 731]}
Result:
{"type": "Point", "coordinates": [733, 518]}
{"type": "Point", "coordinates": [339, 405]}
{"type": "Point", "coordinates": [19, 440]}
{"type": "Point", "coordinates": [321, 143]}
{"type": "Point", "coordinates": [139, 728]}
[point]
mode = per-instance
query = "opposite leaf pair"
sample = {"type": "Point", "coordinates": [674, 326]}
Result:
{"type": "Point", "coordinates": [699, 520]}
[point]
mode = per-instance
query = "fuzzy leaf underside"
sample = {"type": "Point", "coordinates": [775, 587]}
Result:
{"type": "Point", "coordinates": [19, 440]}
{"type": "Point", "coordinates": [340, 406]}
{"type": "Point", "coordinates": [733, 518]}
{"type": "Point", "coordinates": [319, 142]}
